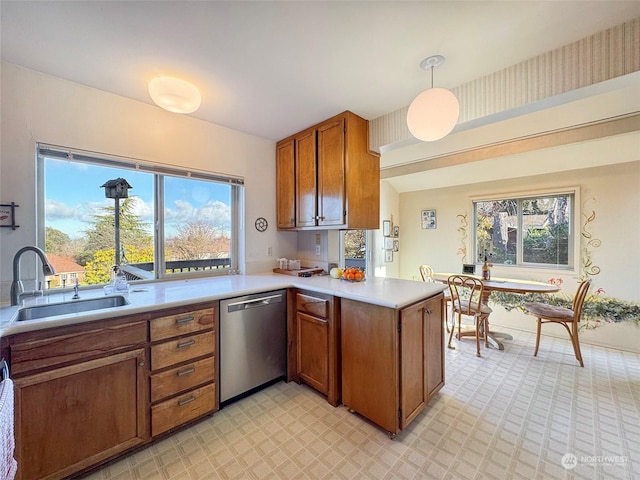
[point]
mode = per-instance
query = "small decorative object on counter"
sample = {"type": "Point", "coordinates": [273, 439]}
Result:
{"type": "Point", "coordinates": [120, 284]}
{"type": "Point", "coordinates": [294, 264]}
{"type": "Point", "coordinates": [283, 263]}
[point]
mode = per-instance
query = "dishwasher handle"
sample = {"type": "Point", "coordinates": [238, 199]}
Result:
{"type": "Point", "coordinates": [254, 303]}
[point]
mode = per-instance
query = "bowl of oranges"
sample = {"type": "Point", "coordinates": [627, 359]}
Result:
{"type": "Point", "coordinates": [352, 274]}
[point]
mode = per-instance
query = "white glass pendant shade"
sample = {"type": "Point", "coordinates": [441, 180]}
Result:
{"type": "Point", "coordinates": [175, 95]}
{"type": "Point", "coordinates": [433, 114]}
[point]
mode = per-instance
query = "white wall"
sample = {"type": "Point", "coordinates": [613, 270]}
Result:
{"type": "Point", "coordinates": [40, 108]}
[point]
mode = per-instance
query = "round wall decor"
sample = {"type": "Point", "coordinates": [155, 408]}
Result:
{"type": "Point", "coordinates": [261, 224]}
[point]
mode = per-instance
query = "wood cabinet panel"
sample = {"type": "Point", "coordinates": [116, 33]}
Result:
{"type": "Point", "coordinates": [412, 363]}
{"type": "Point", "coordinates": [179, 410]}
{"type": "Point", "coordinates": [30, 355]}
{"type": "Point", "coordinates": [181, 324]}
{"type": "Point", "coordinates": [181, 350]}
{"type": "Point", "coordinates": [331, 173]}
{"type": "Point", "coordinates": [313, 351]}
{"type": "Point", "coordinates": [286, 185]}
{"type": "Point", "coordinates": [306, 179]}
{"type": "Point", "coordinates": [73, 417]}
{"type": "Point", "coordinates": [434, 345]}
{"type": "Point", "coordinates": [370, 383]}
{"type": "Point", "coordinates": [312, 305]}
{"type": "Point", "coordinates": [182, 378]}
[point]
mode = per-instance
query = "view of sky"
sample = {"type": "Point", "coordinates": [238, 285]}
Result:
{"type": "Point", "coordinates": [73, 195]}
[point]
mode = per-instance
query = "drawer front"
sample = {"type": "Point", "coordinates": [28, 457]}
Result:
{"type": "Point", "coordinates": [179, 410]}
{"type": "Point", "coordinates": [181, 324]}
{"type": "Point", "coordinates": [182, 349]}
{"type": "Point", "coordinates": [182, 378]}
{"type": "Point", "coordinates": [318, 307]}
{"type": "Point", "coordinates": [74, 347]}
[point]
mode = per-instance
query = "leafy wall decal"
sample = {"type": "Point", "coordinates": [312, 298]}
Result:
{"type": "Point", "coordinates": [462, 231]}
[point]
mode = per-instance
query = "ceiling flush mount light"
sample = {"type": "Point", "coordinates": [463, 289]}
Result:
{"type": "Point", "coordinates": [174, 94]}
{"type": "Point", "coordinates": [433, 113]}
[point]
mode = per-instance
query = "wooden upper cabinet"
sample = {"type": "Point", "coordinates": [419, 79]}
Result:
{"type": "Point", "coordinates": [306, 184]}
{"type": "Point", "coordinates": [285, 185]}
{"type": "Point", "coordinates": [337, 178]}
{"type": "Point", "coordinates": [331, 173]}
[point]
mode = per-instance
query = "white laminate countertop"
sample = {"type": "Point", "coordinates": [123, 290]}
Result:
{"type": "Point", "coordinates": [386, 292]}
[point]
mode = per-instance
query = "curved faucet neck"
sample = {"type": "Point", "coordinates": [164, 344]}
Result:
{"type": "Point", "coordinates": [16, 284]}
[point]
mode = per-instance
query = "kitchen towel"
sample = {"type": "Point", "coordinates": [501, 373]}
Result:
{"type": "Point", "coordinates": [8, 464]}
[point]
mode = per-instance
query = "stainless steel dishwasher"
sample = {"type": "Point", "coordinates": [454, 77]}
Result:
{"type": "Point", "coordinates": [253, 342]}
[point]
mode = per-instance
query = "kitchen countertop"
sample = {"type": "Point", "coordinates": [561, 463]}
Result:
{"type": "Point", "coordinates": [145, 297]}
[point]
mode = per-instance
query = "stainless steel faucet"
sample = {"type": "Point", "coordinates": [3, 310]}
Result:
{"type": "Point", "coordinates": [17, 289]}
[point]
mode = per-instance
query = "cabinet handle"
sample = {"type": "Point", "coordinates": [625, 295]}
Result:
{"type": "Point", "coordinates": [180, 321]}
{"type": "Point", "coordinates": [186, 371]}
{"type": "Point", "coordinates": [187, 343]}
{"type": "Point", "coordinates": [184, 401]}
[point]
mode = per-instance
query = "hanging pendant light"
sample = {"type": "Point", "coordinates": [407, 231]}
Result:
{"type": "Point", "coordinates": [434, 112]}
{"type": "Point", "coordinates": [174, 94]}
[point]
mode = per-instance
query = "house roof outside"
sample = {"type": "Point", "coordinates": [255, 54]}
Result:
{"type": "Point", "coordinates": [64, 264]}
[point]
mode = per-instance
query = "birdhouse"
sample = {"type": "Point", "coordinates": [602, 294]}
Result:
{"type": "Point", "coordinates": [118, 188]}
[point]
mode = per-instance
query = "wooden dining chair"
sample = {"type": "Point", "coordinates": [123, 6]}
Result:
{"type": "Point", "coordinates": [466, 299]}
{"type": "Point", "coordinates": [546, 313]}
{"type": "Point", "coordinates": [426, 272]}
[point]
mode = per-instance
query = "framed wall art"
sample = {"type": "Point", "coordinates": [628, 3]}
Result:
{"type": "Point", "coordinates": [386, 228]}
{"type": "Point", "coordinates": [388, 256]}
{"type": "Point", "coordinates": [428, 219]}
{"type": "Point", "coordinates": [388, 243]}
{"type": "Point", "coordinates": [396, 231]}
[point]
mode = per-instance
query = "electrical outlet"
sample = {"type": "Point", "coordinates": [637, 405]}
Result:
{"type": "Point", "coordinates": [317, 249]}
{"type": "Point", "coordinates": [269, 251]}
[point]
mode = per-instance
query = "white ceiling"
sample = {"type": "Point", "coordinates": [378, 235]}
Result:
{"type": "Point", "coordinates": [273, 68]}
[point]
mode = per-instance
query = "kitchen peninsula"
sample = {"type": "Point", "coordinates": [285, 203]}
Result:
{"type": "Point", "coordinates": [391, 327]}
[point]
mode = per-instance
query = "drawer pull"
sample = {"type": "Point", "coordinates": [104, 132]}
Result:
{"type": "Point", "coordinates": [187, 343]}
{"type": "Point", "coordinates": [184, 401]}
{"type": "Point", "coordinates": [186, 371]}
{"type": "Point", "coordinates": [180, 321]}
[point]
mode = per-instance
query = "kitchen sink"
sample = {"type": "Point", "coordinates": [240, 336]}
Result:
{"type": "Point", "coordinates": [74, 306]}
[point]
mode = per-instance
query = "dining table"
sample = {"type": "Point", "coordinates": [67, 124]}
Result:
{"type": "Point", "coordinates": [498, 284]}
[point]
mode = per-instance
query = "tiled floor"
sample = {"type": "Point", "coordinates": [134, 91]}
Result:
{"type": "Point", "coordinates": [507, 415]}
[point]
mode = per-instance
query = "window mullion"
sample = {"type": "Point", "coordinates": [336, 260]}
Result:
{"type": "Point", "coordinates": [159, 226]}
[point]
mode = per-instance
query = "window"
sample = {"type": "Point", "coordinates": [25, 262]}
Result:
{"type": "Point", "coordinates": [526, 231]}
{"type": "Point", "coordinates": [171, 221]}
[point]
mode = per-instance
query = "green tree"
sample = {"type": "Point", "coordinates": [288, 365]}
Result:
{"type": "Point", "coordinates": [101, 236]}
{"type": "Point", "coordinates": [98, 269]}
{"type": "Point", "coordinates": [56, 241]}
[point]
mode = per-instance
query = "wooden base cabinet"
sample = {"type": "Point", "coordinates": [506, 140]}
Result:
{"type": "Point", "coordinates": [72, 415]}
{"type": "Point", "coordinates": [316, 330]}
{"type": "Point", "coordinates": [183, 384]}
{"type": "Point", "coordinates": [392, 360]}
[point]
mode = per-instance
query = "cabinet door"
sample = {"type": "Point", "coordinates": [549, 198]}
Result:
{"type": "Point", "coordinates": [413, 393]}
{"type": "Point", "coordinates": [286, 185]}
{"type": "Point", "coordinates": [306, 178]}
{"type": "Point", "coordinates": [313, 351]}
{"type": "Point", "coordinates": [73, 417]}
{"type": "Point", "coordinates": [370, 383]}
{"type": "Point", "coordinates": [331, 173]}
{"type": "Point", "coordinates": [434, 345]}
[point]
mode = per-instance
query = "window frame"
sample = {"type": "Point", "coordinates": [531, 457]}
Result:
{"type": "Point", "coordinates": [573, 259]}
{"type": "Point", "coordinates": [159, 172]}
